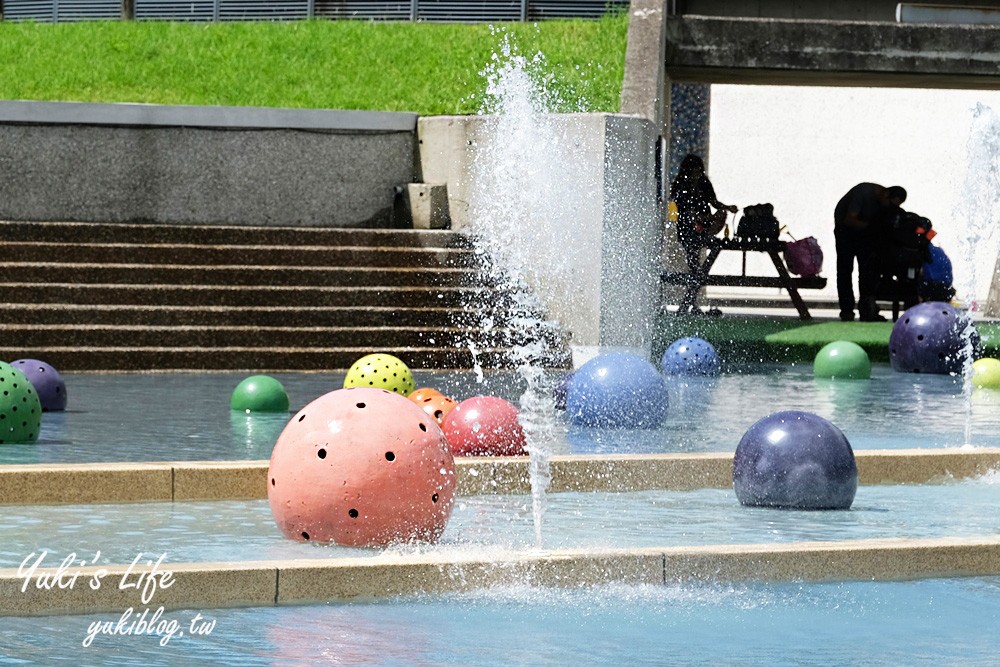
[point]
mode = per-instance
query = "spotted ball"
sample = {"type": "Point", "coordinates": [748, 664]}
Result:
{"type": "Point", "coordinates": [361, 467]}
{"type": "Point", "coordinates": [381, 371]}
{"type": "Point", "coordinates": [48, 384]}
{"type": "Point", "coordinates": [20, 409]}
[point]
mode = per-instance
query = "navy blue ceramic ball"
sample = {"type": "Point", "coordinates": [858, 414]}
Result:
{"type": "Point", "coordinates": [795, 460]}
{"type": "Point", "coordinates": [690, 356]}
{"type": "Point", "coordinates": [617, 390]}
{"type": "Point", "coordinates": [928, 338]}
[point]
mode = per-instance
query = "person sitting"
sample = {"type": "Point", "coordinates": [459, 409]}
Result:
{"type": "Point", "coordinates": [906, 250]}
{"type": "Point", "coordinates": [695, 198]}
{"type": "Point", "coordinates": [861, 220]}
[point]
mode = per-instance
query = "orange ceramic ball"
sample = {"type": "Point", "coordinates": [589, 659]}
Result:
{"type": "Point", "coordinates": [484, 426]}
{"type": "Point", "coordinates": [433, 402]}
{"type": "Point", "coordinates": [424, 393]}
{"type": "Point", "coordinates": [361, 467]}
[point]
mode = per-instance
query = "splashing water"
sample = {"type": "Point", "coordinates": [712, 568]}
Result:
{"type": "Point", "coordinates": [522, 206]}
{"type": "Point", "coordinates": [979, 209]}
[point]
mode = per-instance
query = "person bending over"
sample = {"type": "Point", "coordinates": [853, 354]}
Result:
{"type": "Point", "coordinates": [861, 221]}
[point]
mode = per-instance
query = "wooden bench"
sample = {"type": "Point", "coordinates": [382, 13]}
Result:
{"type": "Point", "coordinates": [696, 280]}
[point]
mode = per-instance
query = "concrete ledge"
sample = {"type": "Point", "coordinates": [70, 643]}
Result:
{"type": "Point", "coordinates": [85, 483]}
{"type": "Point", "coordinates": [247, 480]}
{"type": "Point", "coordinates": [267, 583]}
{"type": "Point", "coordinates": [220, 480]}
{"type": "Point", "coordinates": [155, 115]}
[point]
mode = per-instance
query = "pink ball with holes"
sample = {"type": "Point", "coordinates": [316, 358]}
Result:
{"type": "Point", "coordinates": [484, 426]}
{"type": "Point", "coordinates": [361, 467]}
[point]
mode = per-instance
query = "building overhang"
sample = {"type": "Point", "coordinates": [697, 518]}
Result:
{"type": "Point", "coordinates": [832, 53]}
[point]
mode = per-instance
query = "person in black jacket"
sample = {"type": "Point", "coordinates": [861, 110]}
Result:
{"type": "Point", "coordinates": [861, 220]}
{"type": "Point", "coordinates": [695, 198]}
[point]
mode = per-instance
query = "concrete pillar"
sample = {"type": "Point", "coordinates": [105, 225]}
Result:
{"type": "Point", "coordinates": [689, 113]}
{"type": "Point", "coordinates": [992, 309]}
{"type": "Point", "coordinates": [690, 106]}
{"type": "Point", "coordinates": [605, 235]}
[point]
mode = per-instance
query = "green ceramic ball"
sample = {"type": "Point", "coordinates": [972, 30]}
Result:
{"type": "Point", "coordinates": [842, 360]}
{"type": "Point", "coordinates": [259, 393]}
{"type": "Point", "coordinates": [382, 371]}
{"type": "Point", "coordinates": [20, 408]}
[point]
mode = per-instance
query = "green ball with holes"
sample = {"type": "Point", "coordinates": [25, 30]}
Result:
{"type": "Point", "coordinates": [381, 371]}
{"type": "Point", "coordinates": [259, 393]}
{"type": "Point", "coordinates": [20, 408]}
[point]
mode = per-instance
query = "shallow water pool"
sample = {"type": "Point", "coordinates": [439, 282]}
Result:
{"type": "Point", "coordinates": [245, 530]}
{"type": "Point", "coordinates": [183, 417]}
{"type": "Point", "coordinates": [929, 622]}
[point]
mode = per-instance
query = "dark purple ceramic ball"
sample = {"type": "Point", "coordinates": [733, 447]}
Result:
{"type": "Point", "coordinates": [48, 384]}
{"type": "Point", "coordinates": [795, 460]}
{"type": "Point", "coordinates": [931, 337]}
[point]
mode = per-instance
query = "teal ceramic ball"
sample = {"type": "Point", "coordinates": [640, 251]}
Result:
{"type": "Point", "coordinates": [259, 393]}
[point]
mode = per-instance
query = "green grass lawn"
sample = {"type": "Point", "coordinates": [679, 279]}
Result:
{"type": "Point", "coordinates": [426, 68]}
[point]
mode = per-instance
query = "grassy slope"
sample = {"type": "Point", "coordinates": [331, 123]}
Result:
{"type": "Point", "coordinates": [420, 67]}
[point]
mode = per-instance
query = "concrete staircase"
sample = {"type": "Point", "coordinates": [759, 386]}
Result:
{"type": "Point", "coordinates": [147, 297]}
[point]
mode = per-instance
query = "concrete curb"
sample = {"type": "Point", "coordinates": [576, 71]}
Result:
{"type": "Point", "coordinates": [241, 480]}
{"type": "Point", "coordinates": [268, 583]}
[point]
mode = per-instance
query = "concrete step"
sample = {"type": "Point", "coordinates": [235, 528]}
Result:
{"type": "Point", "coordinates": [123, 297]}
{"type": "Point", "coordinates": [243, 255]}
{"type": "Point", "coordinates": [257, 315]}
{"type": "Point", "coordinates": [102, 232]}
{"type": "Point", "coordinates": [230, 295]}
{"type": "Point", "coordinates": [89, 335]}
{"type": "Point", "coordinates": [250, 359]}
{"type": "Point", "coordinates": [180, 274]}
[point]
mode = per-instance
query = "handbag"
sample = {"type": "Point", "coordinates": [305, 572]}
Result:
{"type": "Point", "coordinates": [804, 257]}
{"type": "Point", "coordinates": [758, 222]}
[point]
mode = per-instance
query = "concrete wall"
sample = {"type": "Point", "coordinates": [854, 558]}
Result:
{"type": "Point", "coordinates": [609, 239]}
{"type": "Point", "coordinates": [842, 10]}
{"type": "Point", "coordinates": [226, 165]}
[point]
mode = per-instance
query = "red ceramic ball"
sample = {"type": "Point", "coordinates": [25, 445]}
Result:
{"type": "Point", "coordinates": [484, 426]}
{"type": "Point", "coordinates": [361, 467]}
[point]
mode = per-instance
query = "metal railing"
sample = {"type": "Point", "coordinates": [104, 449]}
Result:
{"type": "Point", "coordinates": [441, 11]}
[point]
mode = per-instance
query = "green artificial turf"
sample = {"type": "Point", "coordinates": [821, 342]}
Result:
{"type": "Point", "coordinates": [744, 339]}
{"type": "Point", "coordinates": [427, 68]}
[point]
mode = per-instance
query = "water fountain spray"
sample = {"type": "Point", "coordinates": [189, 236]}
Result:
{"type": "Point", "coordinates": [522, 211]}
{"type": "Point", "coordinates": [979, 209]}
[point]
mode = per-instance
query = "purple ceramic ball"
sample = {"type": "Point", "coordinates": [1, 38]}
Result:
{"type": "Point", "coordinates": [795, 460]}
{"type": "Point", "coordinates": [930, 338]}
{"type": "Point", "coordinates": [690, 356]}
{"type": "Point", "coordinates": [617, 390]}
{"type": "Point", "coordinates": [47, 382]}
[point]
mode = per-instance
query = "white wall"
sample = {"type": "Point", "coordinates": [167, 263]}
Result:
{"type": "Point", "coordinates": [803, 148]}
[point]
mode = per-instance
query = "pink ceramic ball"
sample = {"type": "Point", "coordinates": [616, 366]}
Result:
{"type": "Point", "coordinates": [484, 426]}
{"type": "Point", "coordinates": [361, 467]}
